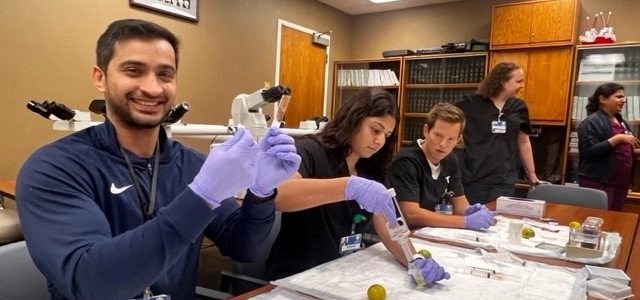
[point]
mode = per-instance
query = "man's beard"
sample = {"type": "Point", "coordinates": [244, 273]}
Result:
{"type": "Point", "coordinates": [123, 113]}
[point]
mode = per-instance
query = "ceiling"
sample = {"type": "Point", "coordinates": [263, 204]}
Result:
{"type": "Point", "coordinates": [357, 7]}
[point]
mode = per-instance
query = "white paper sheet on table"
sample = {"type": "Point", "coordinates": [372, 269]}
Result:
{"type": "Point", "coordinates": [496, 236]}
{"type": "Point", "coordinates": [280, 294]}
{"type": "Point", "coordinates": [350, 276]}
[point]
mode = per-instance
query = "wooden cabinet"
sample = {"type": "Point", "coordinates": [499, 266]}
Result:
{"type": "Point", "coordinates": [356, 75]}
{"type": "Point", "coordinates": [539, 36]}
{"type": "Point", "coordinates": [431, 79]}
{"type": "Point", "coordinates": [547, 81]}
{"type": "Point", "coordinates": [595, 65]}
{"type": "Point", "coordinates": [534, 24]}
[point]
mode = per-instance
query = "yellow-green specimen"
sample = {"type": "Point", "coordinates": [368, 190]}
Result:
{"type": "Point", "coordinates": [527, 232]}
{"type": "Point", "coordinates": [574, 224]}
{"type": "Point", "coordinates": [425, 253]}
{"type": "Point", "coordinates": [376, 292]}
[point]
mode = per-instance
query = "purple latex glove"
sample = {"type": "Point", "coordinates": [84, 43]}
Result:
{"type": "Point", "coordinates": [372, 196]}
{"type": "Point", "coordinates": [479, 220]}
{"type": "Point", "coordinates": [473, 208]}
{"type": "Point", "coordinates": [229, 169]}
{"type": "Point", "coordinates": [277, 162]}
{"type": "Point", "coordinates": [431, 271]}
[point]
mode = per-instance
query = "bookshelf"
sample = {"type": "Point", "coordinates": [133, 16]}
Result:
{"type": "Point", "coordinates": [595, 65]}
{"type": "Point", "coordinates": [431, 79]}
{"type": "Point", "coordinates": [355, 75]}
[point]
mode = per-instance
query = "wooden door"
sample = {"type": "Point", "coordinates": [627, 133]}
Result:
{"type": "Point", "coordinates": [520, 58]}
{"type": "Point", "coordinates": [548, 76]}
{"type": "Point", "coordinates": [511, 24]}
{"type": "Point", "coordinates": [552, 21]}
{"type": "Point", "coordinates": [302, 68]}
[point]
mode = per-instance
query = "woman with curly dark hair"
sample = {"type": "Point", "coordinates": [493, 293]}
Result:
{"type": "Point", "coordinates": [496, 136]}
{"type": "Point", "coordinates": [606, 145]}
{"type": "Point", "coordinates": [337, 191]}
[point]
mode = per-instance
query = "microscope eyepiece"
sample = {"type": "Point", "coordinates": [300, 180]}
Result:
{"type": "Point", "coordinates": [38, 108]}
{"type": "Point", "coordinates": [61, 111]}
{"type": "Point", "coordinates": [176, 113]}
{"type": "Point", "coordinates": [98, 106]}
{"type": "Point", "coordinates": [275, 93]}
{"type": "Point", "coordinates": [46, 109]}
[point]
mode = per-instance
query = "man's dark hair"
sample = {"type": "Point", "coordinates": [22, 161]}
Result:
{"type": "Point", "coordinates": [129, 29]}
{"type": "Point", "coordinates": [337, 133]}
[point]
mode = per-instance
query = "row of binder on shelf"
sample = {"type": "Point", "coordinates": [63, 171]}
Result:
{"type": "Point", "coordinates": [469, 70]}
{"type": "Point", "coordinates": [367, 77]}
{"type": "Point", "coordinates": [573, 142]}
{"type": "Point", "coordinates": [421, 101]}
{"type": "Point", "coordinates": [630, 110]}
{"type": "Point", "coordinates": [412, 128]}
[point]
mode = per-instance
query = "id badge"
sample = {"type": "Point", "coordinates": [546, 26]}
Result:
{"type": "Point", "coordinates": [498, 127]}
{"type": "Point", "coordinates": [445, 209]}
{"type": "Point", "coordinates": [156, 297]}
{"type": "Point", "coordinates": [351, 243]}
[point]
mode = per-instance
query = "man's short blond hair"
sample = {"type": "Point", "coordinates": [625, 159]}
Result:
{"type": "Point", "coordinates": [446, 112]}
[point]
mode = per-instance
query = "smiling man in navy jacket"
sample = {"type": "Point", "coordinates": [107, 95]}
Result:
{"type": "Point", "coordinates": [118, 210]}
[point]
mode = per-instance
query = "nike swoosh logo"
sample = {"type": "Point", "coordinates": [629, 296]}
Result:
{"type": "Point", "coordinates": [116, 190]}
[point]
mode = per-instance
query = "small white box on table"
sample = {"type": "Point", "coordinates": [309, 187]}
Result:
{"type": "Point", "coordinates": [520, 206]}
{"type": "Point", "coordinates": [609, 289]}
{"type": "Point", "coordinates": [609, 273]}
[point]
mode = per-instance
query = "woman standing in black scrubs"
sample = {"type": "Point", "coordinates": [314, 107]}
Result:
{"type": "Point", "coordinates": [496, 136]}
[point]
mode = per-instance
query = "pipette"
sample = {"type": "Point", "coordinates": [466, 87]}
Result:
{"type": "Point", "coordinates": [400, 234]}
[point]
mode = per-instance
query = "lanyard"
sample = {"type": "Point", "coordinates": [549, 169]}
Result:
{"type": "Point", "coordinates": [147, 206]}
{"type": "Point", "coordinates": [626, 131]}
{"type": "Point", "coordinates": [357, 218]}
{"type": "Point", "coordinates": [444, 199]}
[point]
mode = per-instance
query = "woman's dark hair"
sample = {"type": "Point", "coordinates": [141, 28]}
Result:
{"type": "Point", "coordinates": [493, 84]}
{"type": "Point", "coordinates": [604, 90]}
{"type": "Point", "coordinates": [337, 133]}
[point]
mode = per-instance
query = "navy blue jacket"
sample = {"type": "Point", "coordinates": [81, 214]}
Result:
{"type": "Point", "coordinates": [597, 156]}
{"type": "Point", "coordinates": [90, 240]}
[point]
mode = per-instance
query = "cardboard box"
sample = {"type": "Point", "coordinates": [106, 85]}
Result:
{"type": "Point", "coordinates": [520, 207]}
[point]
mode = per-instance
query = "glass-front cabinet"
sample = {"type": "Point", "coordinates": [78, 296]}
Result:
{"type": "Point", "coordinates": [431, 79]}
{"type": "Point", "coordinates": [355, 75]}
{"type": "Point", "coordinates": [595, 65]}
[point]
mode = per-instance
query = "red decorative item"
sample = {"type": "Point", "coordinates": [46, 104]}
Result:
{"type": "Point", "coordinates": [604, 36]}
{"type": "Point", "coordinates": [603, 40]}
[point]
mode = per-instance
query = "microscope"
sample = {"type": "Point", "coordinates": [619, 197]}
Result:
{"type": "Point", "coordinates": [63, 117]}
{"type": "Point", "coordinates": [246, 109]}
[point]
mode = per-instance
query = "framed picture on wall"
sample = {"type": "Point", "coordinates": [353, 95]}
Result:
{"type": "Point", "coordinates": [186, 9]}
